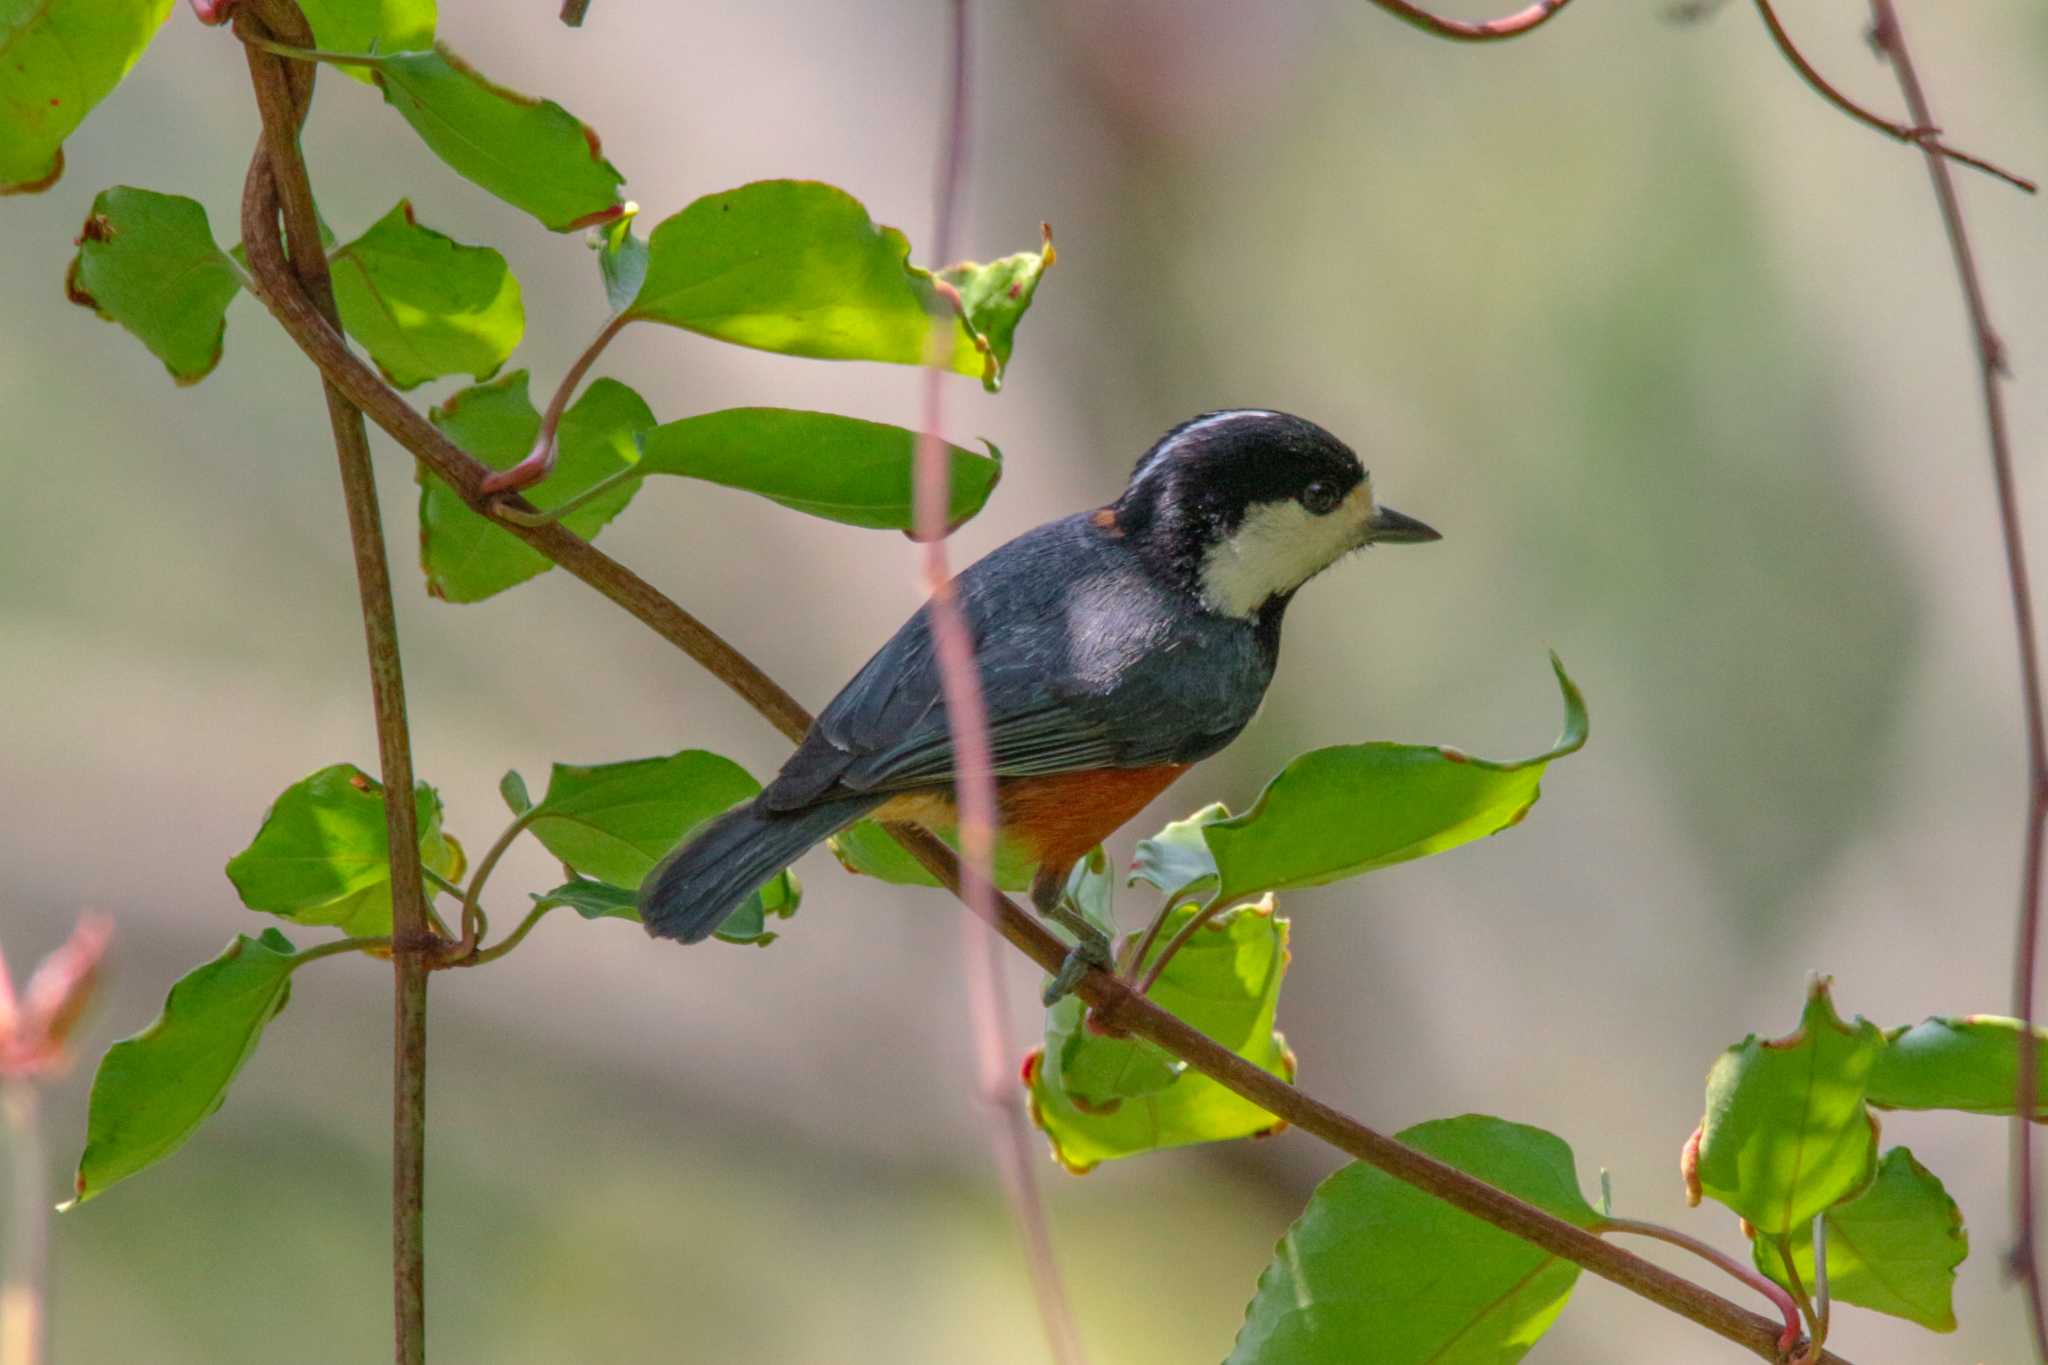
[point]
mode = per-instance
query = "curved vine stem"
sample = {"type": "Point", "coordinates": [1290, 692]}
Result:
{"type": "Point", "coordinates": [283, 94]}
{"type": "Point", "coordinates": [1784, 1302]}
{"type": "Point", "coordinates": [1466, 31]}
{"type": "Point", "coordinates": [1921, 134]}
{"type": "Point", "coordinates": [1891, 42]}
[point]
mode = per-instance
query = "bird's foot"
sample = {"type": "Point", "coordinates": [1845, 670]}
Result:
{"type": "Point", "coordinates": [1091, 950]}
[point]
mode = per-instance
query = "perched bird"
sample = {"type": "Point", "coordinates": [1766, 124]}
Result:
{"type": "Point", "coordinates": [1116, 647]}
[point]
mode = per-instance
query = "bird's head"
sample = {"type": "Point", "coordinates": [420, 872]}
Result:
{"type": "Point", "coordinates": [1243, 507]}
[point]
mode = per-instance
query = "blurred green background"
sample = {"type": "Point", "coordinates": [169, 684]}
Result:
{"type": "Point", "coordinates": [1669, 350]}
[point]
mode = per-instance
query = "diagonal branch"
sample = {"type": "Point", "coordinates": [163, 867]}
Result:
{"type": "Point", "coordinates": [283, 94]}
{"type": "Point", "coordinates": [1116, 1003]}
{"type": "Point", "coordinates": [1991, 368]}
{"type": "Point", "coordinates": [1922, 134]}
{"type": "Point", "coordinates": [1468, 31]}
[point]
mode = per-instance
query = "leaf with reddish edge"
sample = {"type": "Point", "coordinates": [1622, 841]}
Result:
{"type": "Point", "coordinates": [1786, 1132]}
{"type": "Point", "coordinates": [1099, 1098]}
{"type": "Point", "coordinates": [59, 58]}
{"type": "Point", "coordinates": [1894, 1248]}
{"type": "Point", "coordinates": [532, 153]}
{"type": "Point", "coordinates": [1971, 1063]}
{"type": "Point", "coordinates": [798, 267]}
{"type": "Point", "coordinates": [424, 305]}
{"type": "Point", "coordinates": [148, 261]}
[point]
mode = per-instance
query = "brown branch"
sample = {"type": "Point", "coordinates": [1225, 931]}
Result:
{"type": "Point", "coordinates": [282, 96]}
{"type": "Point", "coordinates": [1922, 134]}
{"type": "Point", "coordinates": [1991, 367]}
{"type": "Point", "coordinates": [1116, 1004]}
{"type": "Point", "coordinates": [1466, 31]}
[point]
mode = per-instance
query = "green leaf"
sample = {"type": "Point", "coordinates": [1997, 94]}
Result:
{"type": "Point", "coordinates": [423, 305]}
{"type": "Point", "coordinates": [997, 295]}
{"type": "Point", "coordinates": [1178, 857]}
{"type": "Point", "coordinates": [1894, 1248]}
{"type": "Point", "coordinates": [798, 267]}
{"type": "Point", "coordinates": [1376, 1270]}
{"type": "Point", "coordinates": [1093, 891]}
{"type": "Point", "coordinates": [512, 787]}
{"type": "Point", "coordinates": [1338, 812]}
{"type": "Point", "coordinates": [323, 855]}
{"type": "Point", "coordinates": [533, 154]}
{"type": "Point", "coordinates": [748, 924]}
{"type": "Point", "coordinates": [614, 821]}
{"type": "Point", "coordinates": [621, 261]}
{"type": "Point", "coordinates": [1101, 1098]}
{"type": "Point", "coordinates": [466, 557]}
{"type": "Point", "coordinates": [379, 26]}
{"type": "Point", "coordinates": [153, 1090]}
{"type": "Point", "coordinates": [839, 468]}
{"type": "Point", "coordinates": [1971, 1062]}
{"type": "Point", "coordinates": [59, 58]}
{"type": "Point", "coordinates": [593, 900]}
{"type": "Point", "coordinates": [148, 261]}
{"type": "Point", "coordinates": [1786, 1133]}
{"type": "Point", "coordinates": [866, 849]}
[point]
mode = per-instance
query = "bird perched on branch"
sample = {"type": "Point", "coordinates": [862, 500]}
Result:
{"type": "Point", "coordinates": [1116, 647]}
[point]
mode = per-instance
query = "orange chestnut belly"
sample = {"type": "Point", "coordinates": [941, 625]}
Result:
{"type": "Point", "coordinates": [1057, 818]}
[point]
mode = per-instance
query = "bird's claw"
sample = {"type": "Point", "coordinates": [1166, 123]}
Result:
{"type": "Point", "coordinates": [1090, 952]}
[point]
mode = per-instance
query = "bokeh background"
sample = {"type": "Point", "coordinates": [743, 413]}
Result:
{"type": "Point", "coordinates": [1669, 350]}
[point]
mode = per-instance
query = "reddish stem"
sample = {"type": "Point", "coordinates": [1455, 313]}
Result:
{"type": "Point", "coordinates": [1466, 31]}
{"type": "Point", "coordinates": [1891, 41]}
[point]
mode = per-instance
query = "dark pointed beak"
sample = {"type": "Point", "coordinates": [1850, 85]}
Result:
{"type": "Point", "coordinates": [1390, 527]}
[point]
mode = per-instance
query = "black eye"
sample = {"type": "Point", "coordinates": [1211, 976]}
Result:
{"type": "Point", "coordinates": [1321, 497]}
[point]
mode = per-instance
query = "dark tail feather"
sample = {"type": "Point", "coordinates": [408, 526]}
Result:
{"type": "Point", "coordinates": [691, 891]}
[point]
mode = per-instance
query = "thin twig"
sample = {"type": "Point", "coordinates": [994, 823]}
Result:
{"type": "Point", "coordinates": [974, 785]}
{"type": "Point", "coordinates": [540, 462]}
{"type": "Point", "coordinates": [1991, 367]}
{"type": "Point", "coordinates": [511, 940]}
{"type": "Point", "coordinates": [278, 162]}
{"type": "Point", "coordinates": [1114, 1000]}
{"type": "Point", "coordinates": [474, 924]}
{"type": "Point", "coordinates": [1174, 945]}
{"type": "Point", "coordinates": [336, 947]}
{"type": "Point", "coordinates": [1713, 1255]}
{"type": "Point", "coordinates": [1466, 31]}
{"type": "Point", "coordinates": [1922, 134]}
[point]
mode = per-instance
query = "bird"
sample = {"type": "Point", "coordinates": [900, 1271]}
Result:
{"type": "Point", "coordinates": [1117, 647]}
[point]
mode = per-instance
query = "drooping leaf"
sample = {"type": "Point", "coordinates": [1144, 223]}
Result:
{"type": "Point", "coordinates": [148, 261]}
{"type": "Point", "coordinates": [1893, 1248]}
{"type": "Point", "coordinates": [1376, 1270]}
{"type": "Point", "coordinates": [798, 267]}
{"type": "Point", "coordinates": [512, 787]}
{"type": "Point", "coordinates": [1970, 1062]}
{"type": "Point", "coordinates": [1100, 1098]}
{"type": "Point", "coordinates": [866, 849]}
{"type": "Point", "coordinates": [839, 468]}
{"type": "Point", "coordinates": [424, 305]}
{"type": "Point", "coordinates": [1178, 857]}
{"type": "Point", "coordinates": [1786, 1133]}
{"type": "Point", "coordinates": [621, 262]}
{"type": "Point", "coordinates": [59, 58]}
{"type": "Point", "coordinates": [323, 855]}
{"type": "Point", "coordinates": [748, 924]}
{"type": "Point", "coordinates": [532, 153]}
{"type": "Point", "coordinates": [154, 1089]}
{"type": "Point", "coordinates": [614, 821]}
{"type": "Point", "coordinates": [1338, 812]}
{"type": "Point", "coordinates": [379, 26]}
{"type": "Point", "coordinates": [466, 557]}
